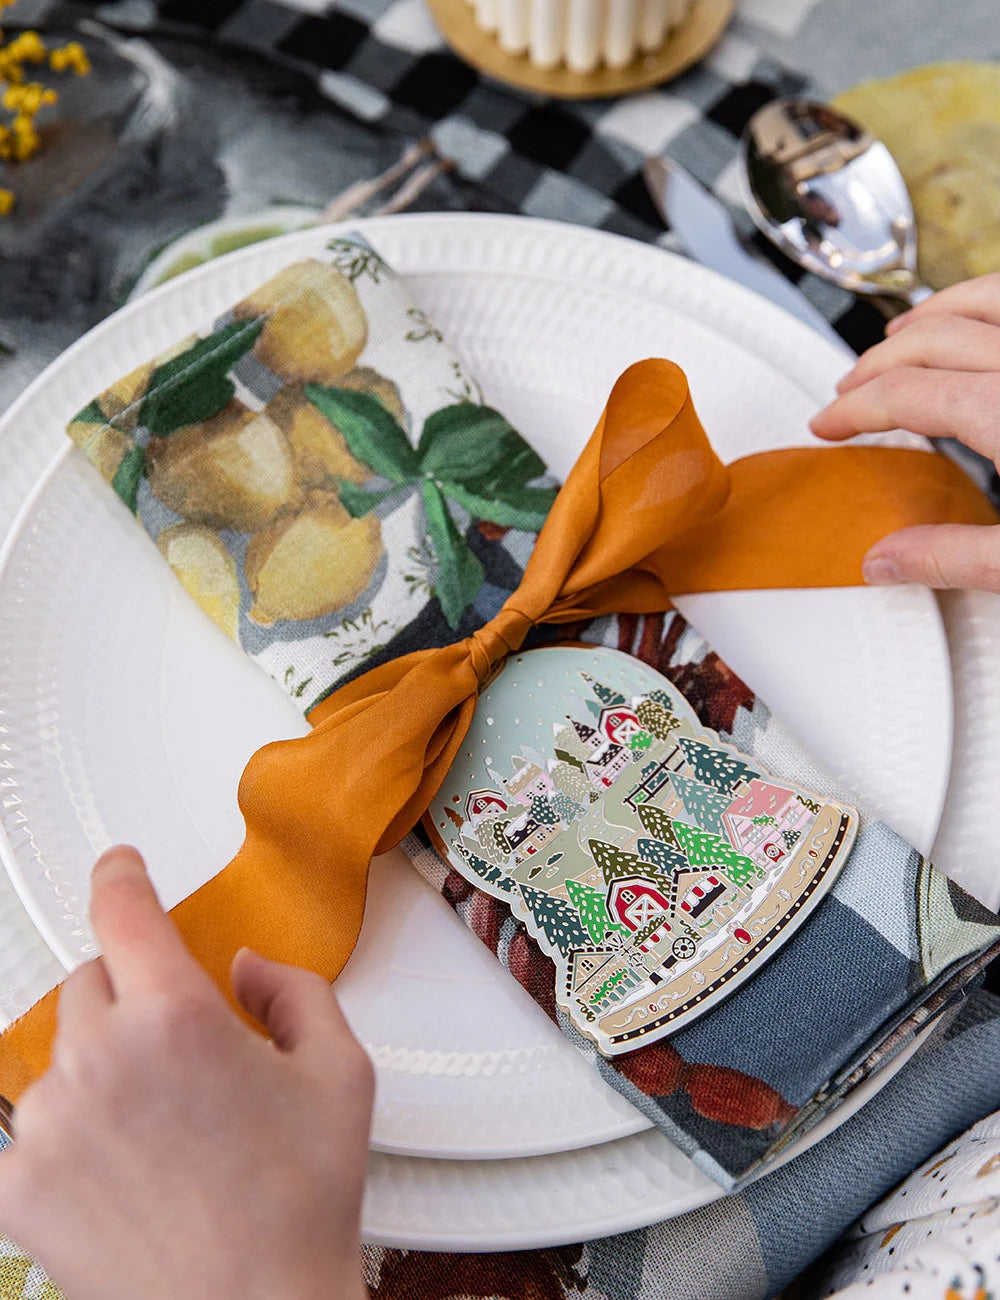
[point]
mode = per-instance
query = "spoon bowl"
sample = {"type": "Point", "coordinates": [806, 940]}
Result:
{"type": "Point", "coordinates": [831, 197]}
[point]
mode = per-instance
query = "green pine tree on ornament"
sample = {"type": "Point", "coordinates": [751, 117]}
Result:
{"type": "Point", "coordinates": [555, 918]}
{"type": "Point", "coordinates": [572, 782]}
{"type": "Point", "coordinates": [658, 824]}
{"type": "Point", "coordinates": [661, 856]}
{"type": "Point", "coordinates": [565, 807]}
{"type": "Point", "coordinates": [543, 812]}
{"type": "Point", "coordinates": [657, 720]}
{"type": "Point", "coordinates": [609, 698]}
{"type": "Point", "coordinates": [489, 873]}
{"type": "Point", "coordinates": [703, 849]}
{"type": "Point", "coordinates": [716, 767]}
{"type": "Point", "coordinates": [488, 846]}
{"type": "Point", "coordinates": [593, 909]}
{"type": "Point", "coordinates": [618, 864]}
{"type": "Point", "coordinates": [703, 804]}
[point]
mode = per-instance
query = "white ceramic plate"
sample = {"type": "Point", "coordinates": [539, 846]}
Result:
{"type": "Point", "coordinates": [128, 716]}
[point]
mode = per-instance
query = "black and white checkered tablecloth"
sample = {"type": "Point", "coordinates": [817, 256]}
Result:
{"type": "Point", "coordinates": [384, 62]}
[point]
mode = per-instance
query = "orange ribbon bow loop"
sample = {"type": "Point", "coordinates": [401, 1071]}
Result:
{"type": "Point", "coordinates": [388, 738]}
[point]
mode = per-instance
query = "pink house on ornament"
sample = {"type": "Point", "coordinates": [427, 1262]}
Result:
{"type": "Point", "coordinates": [603, 768]}
{"type": "Point", "coordinates": [758, 839]}
{"type": "Point", "coordinates": [528, 781]}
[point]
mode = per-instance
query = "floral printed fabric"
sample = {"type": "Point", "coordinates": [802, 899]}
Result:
{"type": "Point", "coordinates": [323, 475]}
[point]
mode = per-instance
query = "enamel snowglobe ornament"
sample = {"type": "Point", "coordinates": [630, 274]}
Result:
{"type": "Point", "coordinates": [657, 866]}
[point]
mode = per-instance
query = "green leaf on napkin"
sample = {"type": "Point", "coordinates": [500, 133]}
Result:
{"type": "Point", "coordinates": [528, 511]}
{"type": "Point", "coordinates": [476, 446]}
{"type": "Point", "coordinates": [371, 434]}
{"type": "Point", "coordinates": [195, 385]}
{"type": "Point", "coordinates": [357, 502]}
{"type": "Point", "coordinates": [459, 573]}
{"type": "Point", "coordinates": [482, 463]}
{"type": "Point", "coordinates": [467, 454]}
{"type": "Point", "coordinates": [129, 474]}
{"type": "Point", "coordinates": [91, 414]}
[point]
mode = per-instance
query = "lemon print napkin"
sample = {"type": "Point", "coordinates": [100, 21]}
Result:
{"type": "Point", "coordinates": [321, 473]}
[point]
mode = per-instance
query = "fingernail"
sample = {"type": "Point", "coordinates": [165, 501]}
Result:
{"type": "Point", "coordinates": [817, 424]}
{"type": "Point", "coordinates": [111, 857]}
{"type": "Point", "coordinates": [881, 571]}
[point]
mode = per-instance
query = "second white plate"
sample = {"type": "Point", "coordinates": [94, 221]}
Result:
{"type": "Point", "coordinates": [129, 717]}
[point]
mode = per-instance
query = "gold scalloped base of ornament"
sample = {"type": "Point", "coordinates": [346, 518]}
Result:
{"type": "Point", "coordinates": [689, 43]}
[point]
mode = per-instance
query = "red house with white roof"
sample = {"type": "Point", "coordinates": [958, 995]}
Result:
{"type": "Point", "coordinates": [484, 803]}
{"type": "Point", "coordinates": [619, 723]}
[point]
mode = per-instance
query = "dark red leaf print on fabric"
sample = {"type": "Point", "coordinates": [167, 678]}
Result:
{"type": "Point", "coordinates": [655, 1070]}
{"type": "Point", "coordinates": [712, 689]}
{"type": "Point", "coordinates": [522, 1275]}
{"type": "Point", "coordinates": [456, 889]}
{"type": "Point", "coordinates": [486, 916]}
{"type": "Point", "coordinates": [533, 971]}
{"type": "Point", "coordinates": [492, 532]}
{"type": "Point", "coordinates": [730, 1097]}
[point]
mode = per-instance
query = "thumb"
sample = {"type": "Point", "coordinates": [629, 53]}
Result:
{"type": "Point", "coordinates": [295, 1006]}
{"type": "Point", "coordinates": [937, 555]}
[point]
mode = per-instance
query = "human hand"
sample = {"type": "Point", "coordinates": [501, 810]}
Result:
{"type": "Point", "coordinates": [170, 1150]}
{"type": "Point", "coordinates": [937, 373]}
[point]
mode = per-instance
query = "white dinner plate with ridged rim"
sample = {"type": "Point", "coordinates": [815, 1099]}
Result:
{"type": "Point", "coordinates": [558, 1199]}
{"type": "Point", "coordinates": [112, 737]}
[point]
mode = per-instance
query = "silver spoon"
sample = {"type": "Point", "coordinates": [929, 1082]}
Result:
{"type": "Point", "coordinates": [831, 197]}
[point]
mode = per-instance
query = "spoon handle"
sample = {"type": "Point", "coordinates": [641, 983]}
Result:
{"type": "Point", "coordinates": [916, 292]}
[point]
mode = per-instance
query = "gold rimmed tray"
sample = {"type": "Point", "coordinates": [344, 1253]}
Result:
{"type": "Point", "coordinates": [691, 42]}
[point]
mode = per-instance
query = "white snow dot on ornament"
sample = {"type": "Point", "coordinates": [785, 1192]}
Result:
{"type": "Point", "coordinates": [540, 681]}
{"type": "Point", "coordinates": [489, 722]}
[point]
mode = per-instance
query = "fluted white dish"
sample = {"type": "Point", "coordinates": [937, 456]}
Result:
{"type": "Point", "coordinates": [126, 715]}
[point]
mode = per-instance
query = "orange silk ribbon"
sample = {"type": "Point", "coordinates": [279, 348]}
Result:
{"type": "Point", "coordinates": [648, 511]}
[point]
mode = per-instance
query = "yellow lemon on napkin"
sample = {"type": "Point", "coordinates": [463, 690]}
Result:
{"type": "Point", "coordinates": [942, 125]}
{"type": "Point", "coordinates": [207, 569]}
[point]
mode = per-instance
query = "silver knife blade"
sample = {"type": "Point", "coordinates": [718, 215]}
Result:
{"type": "Point", "coordinates": [705, 228]}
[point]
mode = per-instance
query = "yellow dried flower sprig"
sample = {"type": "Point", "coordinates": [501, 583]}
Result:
{"type": "Point", "coordinates": [24, 99]}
